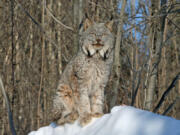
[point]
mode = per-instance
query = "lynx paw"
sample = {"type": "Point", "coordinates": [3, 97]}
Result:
{"type": "Point", "coordinates": [55, 115]}
{"type": "Point", "coordinates": [97, 115]}
{"type": "Point", "coordinates": [72, 117]}
{"type": "Point", "coordinates": [68, 119]}
{"type": "Point", "coordinates": [61, 121]}
{"type": "Point", "coordinates": [85, 120]}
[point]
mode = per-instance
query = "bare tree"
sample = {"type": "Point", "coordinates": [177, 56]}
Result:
{"type": "Point", "coordinates": [156, 43]}
{"type": "Point", "coordinates": [117, 64]}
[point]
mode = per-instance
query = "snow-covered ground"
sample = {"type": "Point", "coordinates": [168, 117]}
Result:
{"type": "Point", "coordinates": [123, 120]}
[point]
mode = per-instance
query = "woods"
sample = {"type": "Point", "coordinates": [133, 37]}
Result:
{"type": "Point", "coordinates": [38, 38]}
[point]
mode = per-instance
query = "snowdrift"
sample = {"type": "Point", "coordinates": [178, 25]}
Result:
{"type": "Point", "coordinates": [123, 120]}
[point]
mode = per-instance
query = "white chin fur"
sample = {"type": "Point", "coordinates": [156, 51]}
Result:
{"type": "Point", "coordinates": [89, 49]}
{"type": "Point", "coordinates": [101, 52]}
{"type": "Point", "coordinates": [84, 50]}
{"type": "Point", "coordinates": [92, 52]}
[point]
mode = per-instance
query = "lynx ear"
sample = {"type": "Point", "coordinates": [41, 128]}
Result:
{"type": "Point", "coordinates": [87, 24]}
{"type": "Point", "coordinates": [109, 25]}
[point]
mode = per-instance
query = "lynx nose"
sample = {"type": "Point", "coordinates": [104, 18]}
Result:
{"type": "Point", "coordinates": [98, 44]}
{"type": "Point", "coordinates": [98, 41]}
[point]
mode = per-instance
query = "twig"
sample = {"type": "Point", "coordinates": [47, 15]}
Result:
{"type": "Point", "coordinates": [36, 23]}
{"type": "Point", "coordinates": [40, 27]}
{"type": "Point", "coordinates": [135, 25]}
{"type": "Point", "coordinates": [98, 5]}
{"type": "Point", "coordinates": [32, 19]}
{"type": "Point", "coordinates": [173, 83]}
{"type": "Point", "coordinates": [11, 123]}
{"type": "Point", "coordinates": [12, 48]}
{"type": "Point", "coordinates": [58, 21]}
{"type": "Point", "coordinates": [130, 65]}
{"type": "Point", "coordinates": [169, 107]}
{"type": "Point", "coordinates": [173, 23]}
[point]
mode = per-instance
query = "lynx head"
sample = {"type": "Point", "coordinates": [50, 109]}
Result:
{"type": "Point", "coordinates": [97, 39]}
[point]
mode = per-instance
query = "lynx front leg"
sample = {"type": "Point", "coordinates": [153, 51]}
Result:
{"type": "Point", "coordinates": [83, 104]}
{"type": "Point", "coordinates": [63, 103]}
{"type": "Point", "coordinates": [97, 103]}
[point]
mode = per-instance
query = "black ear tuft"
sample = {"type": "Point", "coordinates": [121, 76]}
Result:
{"type": "Point", "coordinates": [87, 23]}
{"type": "Point", "coordinates": [109, 25]}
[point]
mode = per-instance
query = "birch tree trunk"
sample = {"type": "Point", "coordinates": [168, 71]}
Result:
{"type": "Point", "coordinates": [59, 42]}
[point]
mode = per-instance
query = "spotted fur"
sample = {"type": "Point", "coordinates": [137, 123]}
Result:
{"type": "Point", "coordinates": [80, 93]}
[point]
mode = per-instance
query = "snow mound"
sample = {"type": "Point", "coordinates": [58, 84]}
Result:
{"type": "Point", "coordinates": [123, 120]}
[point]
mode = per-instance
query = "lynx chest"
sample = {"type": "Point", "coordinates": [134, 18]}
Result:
{"type": "Point", "coordinates": [91, 72]}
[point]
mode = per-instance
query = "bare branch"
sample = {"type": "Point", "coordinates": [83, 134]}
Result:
{"type": "Point", "coordinates": [36, 23]}
{"type": "Point", "coordinates": [169, 107]}
{"type": "Point", "coordinates": [40, 27]}
{"type": "Point", "coordinates": [173, 83]}
{"type": "Point", "coordinates": [11, 123]}
{"type": "Point", "coordinates": [173, 23]}
{"type": "Point", "coordinates": [58, 21]}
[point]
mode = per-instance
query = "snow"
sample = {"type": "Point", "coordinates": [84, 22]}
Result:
{"type": "Point", "coordinates": [123, 120]}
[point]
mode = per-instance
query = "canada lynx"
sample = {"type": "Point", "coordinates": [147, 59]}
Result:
{"type": "Point", "coordinates": [80, 93]}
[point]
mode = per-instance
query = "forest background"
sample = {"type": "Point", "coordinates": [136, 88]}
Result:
{"type": "Point", "coordinates": [39, 37]}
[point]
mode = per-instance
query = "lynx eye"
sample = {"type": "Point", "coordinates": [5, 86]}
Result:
{"type": "Point", "coordinates": [104, 34]}
{"type": "Point", "coordinates": [92, 36]}
{"type": "Point", "coordinates": [92, 33]}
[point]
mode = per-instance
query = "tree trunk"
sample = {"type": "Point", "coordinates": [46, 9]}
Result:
{"type": "Point", "coordinates": [42, 68]}
{"type": "Point", "coordinates": [156, 43]}
{"type": "Point", "coordinates": [117, 65]}
{"type": "Point", "coordinates": [75, 23]}
{"type": "Point", "coordinates": [59, 43]}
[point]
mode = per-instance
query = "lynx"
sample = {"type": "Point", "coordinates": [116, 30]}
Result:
{"type": "Point", "coordinates": [80, 93]}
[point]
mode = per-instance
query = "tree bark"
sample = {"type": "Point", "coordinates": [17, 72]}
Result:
{"type": "Point", "coordinates": [75, 23]}
{"type": "Point", "coordinates": [117, 64]}
{"type": "Point", "coordinates": [59, 43]}
{"type": "Point", "coordinates": [156, 43]}
{"type": "Point", "coordinates": [42, 69]}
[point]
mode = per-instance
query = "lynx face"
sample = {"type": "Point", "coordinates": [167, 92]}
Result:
{"type": "Point", "coordinates": [97, 40]}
